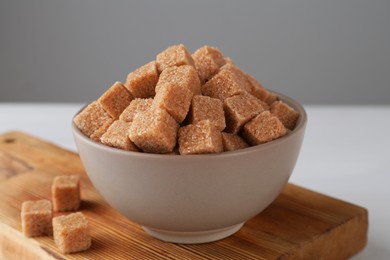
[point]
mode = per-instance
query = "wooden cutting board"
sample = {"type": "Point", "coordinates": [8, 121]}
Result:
{"type": "Point", "coordinates": [299, 224]}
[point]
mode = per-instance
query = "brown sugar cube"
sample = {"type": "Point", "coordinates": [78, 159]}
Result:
{"type": "Point", "coordinates": [117, 136]}
{"type": "Point", "coordinates": [222, 85]}
{"type": "Point", "coordinates": [263, 128]}
{"type": "Point", "coordinates": [203, 108]}
{"type": "Point", "coordinates": [65, 192]}
{"type": "Point", "coordinates": [232, 142]}
{"type": "Point", "coordinates": [185, 76]}
{"type": "Point", "coordinates": [99, 132]}
{"type": "Point", "coordinates": [207, 60]}
{"type": "Point", "coordinates": [260, 92]}
{"type": "Point", "coordinates": [91, 118]}
{"type": "Point", "coordinates": [175, 99]}
{"type": "Point", "coordinates": [36, 218]}
{"type": "Point", "coordinates": [286, 114]}
{"type": "Point", "coordinates": [136, 106]}
{"type": "Point", "coordinates": [241, 76]}
{"type": "Point", "coordinates": [176, 55]}
{"type": "Point", "coordinates": [142, 82]}
{"type": "Point", "coordinates": [154, 131]}
{"type": "Point", "coordinates": [254, 84]}
{"type": "Point", "coordinates": [71, 233]}
{"type": "Point", "coordinates": [239, 109]}
{"type": "Point", "coordinates": [115, 99]}
{"type": "Point", "coordinates": [250, 84]}
{"type": "Point", "coordinates": [202, 137]}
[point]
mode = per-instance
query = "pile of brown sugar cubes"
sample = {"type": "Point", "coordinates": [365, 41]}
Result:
{"type": "Point", "coordinates": [187, 104]}
{"type": "Point", "coordinates": [70, 232]}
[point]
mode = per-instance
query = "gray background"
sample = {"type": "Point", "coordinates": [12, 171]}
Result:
{"type": "Point", "coordinates": [318, 52]}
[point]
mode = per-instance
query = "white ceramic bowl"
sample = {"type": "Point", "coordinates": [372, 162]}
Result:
{"type": "Point", "coordinates": [193, 198]}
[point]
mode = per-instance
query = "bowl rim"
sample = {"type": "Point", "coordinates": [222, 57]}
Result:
{"type": "Point", "coordinates": [300, 125]}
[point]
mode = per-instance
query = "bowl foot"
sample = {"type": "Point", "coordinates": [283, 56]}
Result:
{"type": "Point", "coordinates": [193, 237]}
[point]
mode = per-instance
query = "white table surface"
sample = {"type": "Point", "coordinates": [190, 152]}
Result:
{"type": "Point", "coordinates": [345, 155]}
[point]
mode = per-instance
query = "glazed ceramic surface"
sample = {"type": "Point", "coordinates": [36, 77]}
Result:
{"type": "Point", "coordinates": [193, 198]}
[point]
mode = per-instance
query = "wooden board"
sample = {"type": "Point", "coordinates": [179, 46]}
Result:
{"type": "Point", "coordinates": [299, 224]}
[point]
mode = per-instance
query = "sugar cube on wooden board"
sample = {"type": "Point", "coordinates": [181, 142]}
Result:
{"type": "Point", "coordinates": [36, 218]}
{"type": "Point", "coordinates": [66, 193]}
{"type": "Point", "coordinates": [71, 233]}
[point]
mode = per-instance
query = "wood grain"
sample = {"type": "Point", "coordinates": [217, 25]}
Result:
{"type": "Point", "coordinates": [299, 224]}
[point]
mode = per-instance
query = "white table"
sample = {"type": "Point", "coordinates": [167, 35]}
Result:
{"type": "Point", "coordinates": [345, 154]}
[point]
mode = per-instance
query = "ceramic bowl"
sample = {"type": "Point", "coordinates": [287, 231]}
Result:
{"type": "Point", "coordinates": [193, 198]}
